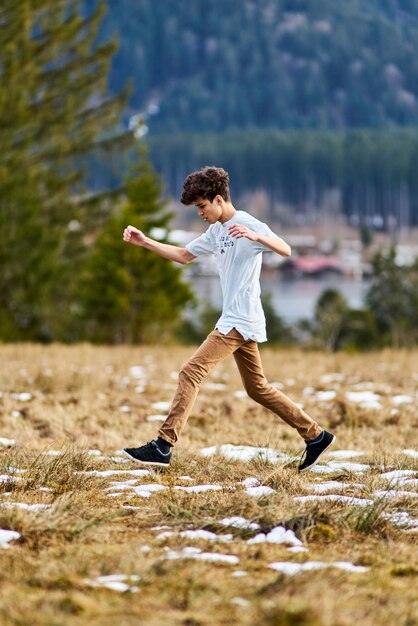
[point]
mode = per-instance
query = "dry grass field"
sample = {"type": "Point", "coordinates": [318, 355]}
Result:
{"type": "Point", "coordinates": [118, 548]}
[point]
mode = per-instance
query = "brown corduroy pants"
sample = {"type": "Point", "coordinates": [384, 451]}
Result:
{"type": "Point", "coordinates": [247, 357]}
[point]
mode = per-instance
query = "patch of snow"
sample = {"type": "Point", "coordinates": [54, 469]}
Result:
{"type": "Point", "coordinates": [245, 453]}
{"type": "Point", "coordinates": [401, 519]}
{"type": "Point", "coordinates": [291, 569]}
{"type": "Point", "coordinates": [402, 399]}
{"type": "Point", "coordinates": [125, 408]}
{"type": "Point", "coordinates": [325, 396]}
{"type": "Point", "coordinates": [199, 488]}
{"type": "Point", "coordinates": [411, 453]}
{"type": "Point", "coordinates": [25, 396]}
{"type": "Point", "coordinates": [115, 582]}
{"type": "Point", "coordinates": [350, 467]}
{"type": "Point", "coordinates": [197, 534]}
{"type": "Point", "coordinates": [239, 522]}
{"type": "Point", "coordinates": [327, 486]}
{"type": "Point", "coordinates": [7, 443]}
{"type": "Point", "coordinates": [156, 417]}
{"type": "Point", "coordinates": [250, 482]}
{"type": "Point", "coordinates": [257, 492]}
{"type": "Point", "coordinates": [93, 452]}
{"type": "Point", "coordinates": [161, 406]}
{"type": "Point", "coordinates": [396, 475]}
{"type": "Point", "coordinates": [240, 601]}
{"type": "Point", "coordinates": [238, 573]}
{"type": "Point", "coordinates": [333, 377]}
{"type": "Point", "coordinates": [6, 536]}
{"type": "Point", "coordinates": [141, 490]}
{"type": "Point", "coordinates": [394, 493]}
{"type": "Point", "coordinates": [345, 454]}
{"type": "Point", "coordinates": [409, 482]}
{"type": "Point", "coordinates": [137, 371]}
{"type": "Point", "coordinates": [5, 478]}
{"type": "Point", "coordinates": [25, 506]}
{"type": "Point", "coordinates": [277, 535]}
{"type": "Point", "coordinates": [367, 399]}
{"type": "Point", "coordinates": [335, 466]}
{"type": "Point", "coordinates": [335, 498]}
{"type": "Point", "coordinates": [240, 394]}
{"type": "Point", "coordinates": [105, 473]}
{"type": "Point", "coordinates": [196, 553]}
{"type": "Point", "coordinates": [214, 386]}
{"type": "Point", "coordinates": [185, 478]}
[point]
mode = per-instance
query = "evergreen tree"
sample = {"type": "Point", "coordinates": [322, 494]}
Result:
{"type": "Point", "coordinates": [393, 298]}
{"type": "Point", "coordinates": [129, 294]}
{"type": "Point", "coordinates": [330, 313]}
{"type": "Point", "coordinates": [54, 109]}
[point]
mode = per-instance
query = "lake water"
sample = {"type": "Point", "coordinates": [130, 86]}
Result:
{"type": "Point", "coordinates": [292, 298]}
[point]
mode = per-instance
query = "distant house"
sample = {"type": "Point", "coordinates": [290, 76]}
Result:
{"type": "Point", "coordinates": [313, 265]}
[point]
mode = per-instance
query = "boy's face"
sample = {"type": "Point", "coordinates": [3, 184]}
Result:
{"type": "Point", "coordinates": [210, 211]}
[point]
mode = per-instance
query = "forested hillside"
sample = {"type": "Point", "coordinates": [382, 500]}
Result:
{"type": "Point", "coordinates": [210, 66]}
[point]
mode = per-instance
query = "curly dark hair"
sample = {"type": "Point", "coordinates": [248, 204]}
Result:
{"type": "Point", "coordinates": [206, 183]}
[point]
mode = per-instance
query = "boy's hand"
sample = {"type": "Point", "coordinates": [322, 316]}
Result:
{"type": "Point", "coordinates": [238, 231]}
{"type": "Point", "coordinates": [133, 235]}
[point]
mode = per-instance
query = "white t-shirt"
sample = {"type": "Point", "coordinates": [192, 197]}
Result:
{"type": "Point", "coordinates": [239, 265]}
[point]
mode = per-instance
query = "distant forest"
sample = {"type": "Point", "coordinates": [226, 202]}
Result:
{"type": "Point", "coordinates": [260, 70]}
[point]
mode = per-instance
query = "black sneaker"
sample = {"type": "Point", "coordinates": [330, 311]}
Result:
{"type": "Point", "coordinates": [314, 451]}
{"type": "Point", "coordinates": [150, 454]}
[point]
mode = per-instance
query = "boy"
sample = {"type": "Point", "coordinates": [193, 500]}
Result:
{"type": "Point", "coordinates": [237, 240]}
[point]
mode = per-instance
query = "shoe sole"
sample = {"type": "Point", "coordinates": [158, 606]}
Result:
{"type": "Point", "coordinates": [306, 469]}
{"type": "Point", "coordinates": [153, 463]}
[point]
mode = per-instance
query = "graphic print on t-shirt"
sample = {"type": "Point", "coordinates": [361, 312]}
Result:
{"type": "Point", "coordinates": [225, 241]}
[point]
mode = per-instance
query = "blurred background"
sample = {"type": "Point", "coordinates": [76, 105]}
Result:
{"type": "Point", "coordinates": [310, 105]}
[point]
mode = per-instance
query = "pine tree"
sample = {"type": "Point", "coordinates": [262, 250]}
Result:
{"type": "Point", "coordinates": [54, 108]}
{"type": "Point", "coordinates": [129, 294]}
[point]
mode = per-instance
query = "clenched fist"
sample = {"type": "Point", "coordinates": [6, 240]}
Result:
{"type": "Point", "coordinates": [134, 236]}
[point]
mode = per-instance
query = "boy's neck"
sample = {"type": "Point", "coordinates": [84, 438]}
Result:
{"type": "Point", "coordinates": [228, 211]}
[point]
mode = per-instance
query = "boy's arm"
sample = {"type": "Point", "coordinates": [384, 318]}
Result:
{"type": "Point", "coordinates": [167, 251]}
{"type": "Point", "coordinates": [276, 244]}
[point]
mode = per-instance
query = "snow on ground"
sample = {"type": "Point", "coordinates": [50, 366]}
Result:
{"type": "Point", "coordinates": [7, 443]}
{"type": "Point", "coordinates": [245, 453]}
{"type": "Point", "coordinates": [412, 453]}
{"type": "Point", "coordinates": [24, 505]}
{"type": "Point", "coordinates": [366, 399]}
{"type": "Point", "coordinates": [196, 534]}
{"type": "Point", "coordinates": [279, 534]}
{"type": "Point", "coordinates": [291, 569]}
{"type": "Point", "coordinates": [6, 536]}
{"type": "Point", "coordinates": [345, 454]}
{"type": "Point", "coordinates": [397, 475]}
{"type": "Point", "coordinates": [115, 582]}
{"type": "Point", "coordinates": [156, 417]}
{"type": "Point", "coordinates": [239, 522]}
{"type": "Point", "coordinates": [329, 486]}
{"type": "Point", "coordinates": [335, 498]}
{"type": "Point", "coordinates": [105, 473]}
{"type": "Point", "coordinates": [161, 405]}
{"type": "Point", "coordinates": [199, 488]}
{"type": "Point", "coordinates": [197, 554]}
